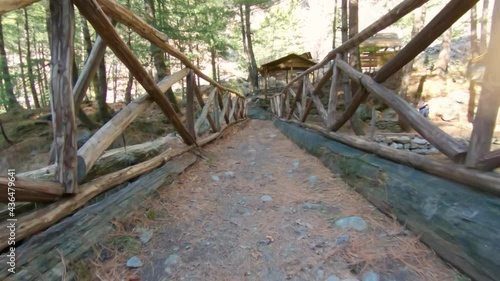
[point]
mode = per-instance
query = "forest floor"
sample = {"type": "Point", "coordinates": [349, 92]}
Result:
{"type": "Point", "coordinates": [260, 208]}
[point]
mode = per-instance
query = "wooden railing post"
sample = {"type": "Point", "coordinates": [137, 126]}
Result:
{"type": "Point", "coordinates": [332, 100]}
{"type": "Point", "coordinates": [62, 104]}
{"type": "Point", "coordinates": [190, 85]}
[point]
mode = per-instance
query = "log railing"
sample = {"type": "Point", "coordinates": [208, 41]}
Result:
{"type": "Point", "coordinates": [289, 105]}
{"type": "Point", "coordinates": [221, 108]}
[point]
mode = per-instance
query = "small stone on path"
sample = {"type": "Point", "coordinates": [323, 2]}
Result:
{"type": "Point", "coordinates": [266, 198]}
{"type": "Point", "coordinates": [145, 235]}
{"type": "Point", "coordinates": [342, 239]}
{"type": "Point", "coordinates": [172, 260]}
{"type": "Point", "coordinates": [370, 276]}
{"type": "Point", "coordinates": [311, 206]}
{"type": "Point", "coordinates": [215, 178]}
{"type": "Point", "coordinates": [134, 262]}
{"type": "Point", "coordinates": [332, 277]}
{"type": "Point", "coordinates": [354, 222]}
{"type": "Point", "coordinates": [313, 179]}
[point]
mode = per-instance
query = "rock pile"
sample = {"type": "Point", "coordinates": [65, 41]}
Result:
{"type": "Point", "coordinates": [410, 143]}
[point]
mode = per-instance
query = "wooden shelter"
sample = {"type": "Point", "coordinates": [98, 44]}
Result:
{"type": "Point", "coordinates": [378, 50]}
{"type": "Point", "coordinates": [286, 66]}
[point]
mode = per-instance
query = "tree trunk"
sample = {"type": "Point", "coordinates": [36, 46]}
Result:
{"type": "Point", "coordinates": [418, 24]}
{"type": "Point", "coordinates": [21, 66]}
{"type": "Point", "coordinates": [334, 25]}
{"type": "Point", "coordinates": [441, 66]}
{"type": "Point", "coordinates": [158, 55]}
{"type": "Point", "coordinates": [88, 46]}
{"type": "Point", "coordinates": [41, 86]}
{"type": "Point", "coordinates": [243, 32]}
{"type": "Point", "coordinates": [12, 102]}
{"type": "Point", "coordinates": [474, 41]}
{"type": "Point", "coordinates": [354, 61]}
{"type": "Point", "coordinates": [254, 75]}
{"type": "Point", "coordinates": [483, 44]}
{"type": "Point", "coordinates": [130, 81]}
{"type": "Point", "coordinates": [29, 60]}
{"type": "Point", "coordinates": [214, 67]}
{"type": "Point", "coordinates": [102, 92]}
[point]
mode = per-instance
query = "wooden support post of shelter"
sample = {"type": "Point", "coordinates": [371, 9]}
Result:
{"type": "Point", "coordinates": [62, 104]}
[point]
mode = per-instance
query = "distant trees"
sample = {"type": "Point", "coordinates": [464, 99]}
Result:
{"type": "Point", "coordinates": [9, 99]}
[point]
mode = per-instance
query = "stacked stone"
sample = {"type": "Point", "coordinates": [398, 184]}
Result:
{"type": "Point", "coordinates": [414, 144]}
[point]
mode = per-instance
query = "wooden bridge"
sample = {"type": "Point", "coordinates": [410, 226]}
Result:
{"type": "Point", "coordinates": [67, 185]}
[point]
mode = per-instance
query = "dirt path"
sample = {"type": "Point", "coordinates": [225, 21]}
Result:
{"type": "Point", "coordinates": [259, 208]}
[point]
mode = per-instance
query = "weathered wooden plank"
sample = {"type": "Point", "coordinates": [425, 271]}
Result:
{"type": "Point", "coordinates": [89, 70]}
{"type": "Point", "coordinates": [225, 113]}
{"type": "Point", "coordinates": [190, 85]}
{"type": "Point", "coordinates": [232, 106]}
{"type": "Point", "coordinates": [104, 137]}
{"type": "Point", "coordinates": [137, 24]}
{"type": "Point", "coordinates": [332, 100]}
{"type": "Point", "coordinates": [458, 222]}
{"type": "Point", "coordinates": [204, 113]}
{"type": "Point", "coordinates": [27, 190]}
{"type": "Point", "coordinates": [94, 14]}
{"type": "Point", "coordinates": [437, 137]}
{"type": "Point", "coordinates": [440, 23]}
{"type": "Point", "coordinates": [489, 100]}
{"type": "Point", "coordinates": [388, 19]}
{"type": "Point", "coordinates": [11, 5]}
{"type": "Point", "coordinates": [199, 97]}
{"type": "Point", "coordinates": [295, 101]}
{"type": "Point", "coordinates": [489, 161]}
{"type": "Point", "coordinates": [62, 104]}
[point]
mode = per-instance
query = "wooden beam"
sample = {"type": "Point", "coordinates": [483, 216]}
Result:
{"type": "Point", "coordinates": [332, 100]}
{"type": "Point", "coordinates": [439, 24]}
{"type": "Point", "coordinates": [95, 15]}
{"type": "Point", "coordinates": [190, 85]}
{"type": "Point", "coordinates": [11, 5]}
{"type": "Point", "coordinates": [102, 139]}
{"type": "Point", "coordinates": [62, 104]}
{"type": "Point", "coordinates": [489, 100]}
{"type": "Point", "coordinates": [199, 97]}
{"type": "Point", "coordinates": [489, 161]}
{"type": "Point", "coordinates": [488, 182]}
{"type": "Point", "coordinates": [388, 19]}
{"type": "Point", "coordinates": [89, 70]}
{"type": "Point", "coordinates": [27, 190]}
{"type": "Point", "coordinates": [295, 100]}
{"type": "Point", "coordinates": [437, 137]}
{"type": "Point", "coordinates": [137, 24]}
{"type": "Point", "coordinates": [225, 113]}
{"type": "Point", "coordinates": [204, 113]}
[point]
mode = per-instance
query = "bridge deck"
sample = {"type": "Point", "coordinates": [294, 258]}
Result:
{"type": "Point", "coordinates": [212, 224]}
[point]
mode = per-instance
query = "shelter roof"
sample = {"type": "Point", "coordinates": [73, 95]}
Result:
{"type": "Point", "coordinates": [291, 61]}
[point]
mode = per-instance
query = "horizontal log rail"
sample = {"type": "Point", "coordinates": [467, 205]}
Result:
{"type": "Point", "coordinates": [26, 190]}
{"type": "Point", "coordinates": [40, 219]}
{"type": "Point", "coordinates": [488, 182]}
{"type": "Point", "coordinates": [489, 161]}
